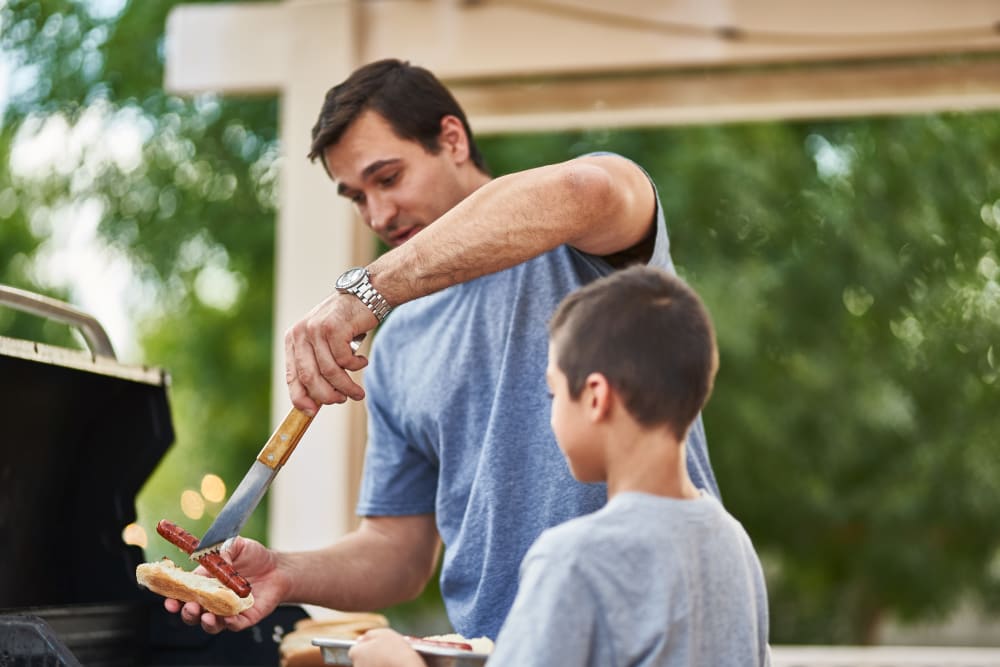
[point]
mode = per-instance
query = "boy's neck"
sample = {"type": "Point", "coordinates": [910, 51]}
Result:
{"type": "Point", "coordinates": [649, 461]}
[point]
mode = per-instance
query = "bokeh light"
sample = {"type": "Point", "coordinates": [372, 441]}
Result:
{"type": "Point", "coordinates": [213, 488]}
{"type": "Point", "coordinates": [192, 504]}
{"type": "Point", "coordinates": [135, 535]}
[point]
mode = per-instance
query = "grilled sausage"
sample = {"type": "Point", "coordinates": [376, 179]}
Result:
{"type": "Point", "coordinates": [177, 536]}
{"type": "Point", "coordinates": [438, 642]}
{"type": "Point", "coordinates": [216, 565]}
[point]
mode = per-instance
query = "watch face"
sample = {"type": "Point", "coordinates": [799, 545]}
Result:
{"type": "Point", "coordinates": [350, 277]}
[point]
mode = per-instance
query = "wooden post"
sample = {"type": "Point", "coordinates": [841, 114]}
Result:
{"type": "Point", "coordinates": [297, 49]}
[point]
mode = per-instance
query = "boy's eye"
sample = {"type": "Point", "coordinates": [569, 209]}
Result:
{"type": "Point", "coordinates": [358, 199]}
{"type": "Point", "coordinates": [386, 181]}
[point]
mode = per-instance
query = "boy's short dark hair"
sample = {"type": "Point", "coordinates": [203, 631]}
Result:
{"type": "Point", "coordinates": [411, 98]}
{"type": "Point", "coordinates": [649, 334]}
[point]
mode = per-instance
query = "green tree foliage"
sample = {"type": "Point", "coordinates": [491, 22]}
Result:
{"type": "Point", "coordinates": [852, 273]}
{"type": "Point", "coordinates": [851, 269]}
{"type": "Point", "coordinates": [194, 213]}
{"type": "Point", "coordinates": [18, 244]}
{"type": "Point", "coordinates": [21, 231]}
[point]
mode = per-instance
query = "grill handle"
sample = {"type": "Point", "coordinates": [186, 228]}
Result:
{"type": "Point", "coordinates": [43, 306]}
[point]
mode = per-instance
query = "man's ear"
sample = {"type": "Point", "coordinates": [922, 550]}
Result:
{"type": "Point", "coordinates": [453, 138]}
{"type": "Point", "coordinates": [598, 395]}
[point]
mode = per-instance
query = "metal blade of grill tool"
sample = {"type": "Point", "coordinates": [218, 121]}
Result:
{"type": "Point", "coordinates": [258, 479]}
{"type": "Point", "coordinates": [255, 483]}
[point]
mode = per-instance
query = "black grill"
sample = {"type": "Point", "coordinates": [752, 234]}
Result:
{"type": "Point", "coordinates": [81, 435]}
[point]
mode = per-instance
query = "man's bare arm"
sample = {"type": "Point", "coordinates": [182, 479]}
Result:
{"type": "Point", "coordinates": [386, 561]}
{"type": "Point", "coordinates": [598, 204]}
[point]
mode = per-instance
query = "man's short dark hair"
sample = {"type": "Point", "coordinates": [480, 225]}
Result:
{"type": "Point", "coordinates": [410, 98]}
{"type": "Point", "coordinates": [649, 334]}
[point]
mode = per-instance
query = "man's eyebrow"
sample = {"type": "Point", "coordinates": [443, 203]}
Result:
{"type": "Point", "coordinates": [366, 173]}
{"type": "Point", "coordinates": [376, 165]}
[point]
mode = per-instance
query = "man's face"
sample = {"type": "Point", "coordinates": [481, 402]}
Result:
{"type": "Point", "coordinates": [395, 184]}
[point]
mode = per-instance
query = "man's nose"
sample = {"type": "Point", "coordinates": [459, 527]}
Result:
{"type": "Point", "coordinates": [381, 213]}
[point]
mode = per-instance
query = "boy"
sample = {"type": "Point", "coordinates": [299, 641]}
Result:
{"type": "Point", "coordinates": [662, 575]}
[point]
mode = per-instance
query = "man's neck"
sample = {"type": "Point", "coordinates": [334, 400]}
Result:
{"type": "Point", "coordinates": [473, 179]}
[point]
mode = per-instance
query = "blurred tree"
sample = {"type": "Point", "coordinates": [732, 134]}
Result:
{"type": "Point", "coordinates": [851, 268]}
{"type": "Point", "coordinates": [18, 244]}
{"type": "Point", "coordinates": [185, 189]}
{"type": "Point", "coordinates": [852, 272]}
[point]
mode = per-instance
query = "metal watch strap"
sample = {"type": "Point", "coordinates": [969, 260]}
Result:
{"type": "Point", "coordinates": [370, 296]}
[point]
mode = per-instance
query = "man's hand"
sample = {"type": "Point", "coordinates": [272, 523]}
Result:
{"type": "Point", "coordinates": [259, 566]}
{"type": "Point", "coordinates": [383, 647]}
{"type": "Point", "coordinates": [318, 353]}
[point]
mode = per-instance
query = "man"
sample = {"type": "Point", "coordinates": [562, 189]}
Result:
{"type": "Point", "coordinates": [460, 451]}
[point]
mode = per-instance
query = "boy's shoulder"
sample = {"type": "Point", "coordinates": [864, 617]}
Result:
{"type": "Point", "coordinates": [633, 521]}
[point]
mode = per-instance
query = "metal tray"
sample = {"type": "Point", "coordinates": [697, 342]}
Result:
{"type": "Point", "coordinates": [335, 653]}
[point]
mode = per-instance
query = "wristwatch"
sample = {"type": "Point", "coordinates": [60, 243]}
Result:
{"type": "Point", "coordinates": [355, 281]}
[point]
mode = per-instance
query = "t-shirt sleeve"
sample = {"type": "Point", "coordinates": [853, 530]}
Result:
{"type": "Point", "coordinates": [554, 614]}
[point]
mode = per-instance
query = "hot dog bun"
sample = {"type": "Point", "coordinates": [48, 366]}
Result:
{"type": "Point", "coordinates": [165, 578]}
{"type": "Point", "coordinates": [297, 649]}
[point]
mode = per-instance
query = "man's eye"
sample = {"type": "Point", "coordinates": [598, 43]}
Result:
{"type": "Point", "coordinates": [386, 181]}
{"type": "Point", "coordinates": [358, 199]}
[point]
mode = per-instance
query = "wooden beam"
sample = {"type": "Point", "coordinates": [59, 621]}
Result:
{"type": "Point", "coordinates": [502, 38]}
{"type": "Point", "coordinates": [719, 96]}
{"type": "Point", "coordinates": [244, 47]}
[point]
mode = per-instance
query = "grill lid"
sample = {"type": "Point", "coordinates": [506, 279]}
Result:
{"type": "Point", "coordinates": [79, 436]}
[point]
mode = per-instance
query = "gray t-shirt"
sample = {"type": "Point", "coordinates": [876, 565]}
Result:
{"type": "Point", "coordinates": [459, 426]}
{"type": "Point", "coordinates": [645, 581]}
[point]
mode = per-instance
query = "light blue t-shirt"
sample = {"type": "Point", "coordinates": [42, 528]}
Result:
{"type": "Point", "coordinates": [459, 426]}
{"type": "Point", "coordinates": [646, 581]}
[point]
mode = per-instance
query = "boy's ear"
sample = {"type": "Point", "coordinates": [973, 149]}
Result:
{"type": "Point", "coordinates": [453, 138]}
{"type": "Point", "coordinates": [598, 395]}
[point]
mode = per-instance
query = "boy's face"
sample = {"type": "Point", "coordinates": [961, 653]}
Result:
{"type": "Point", "coordinates": [396, 186]}
{"type": "Point", "coordinates": [571, 423]}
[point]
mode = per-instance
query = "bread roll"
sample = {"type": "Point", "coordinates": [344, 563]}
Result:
{"type": "Point", "coordinates": [297, 649]}
{"type": "Point", "coordinates": [168, 580]}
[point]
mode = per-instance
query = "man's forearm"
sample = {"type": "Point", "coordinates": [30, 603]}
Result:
{"type": "Point", "coordinates": [599, 206]}
{"type": "Point", "coordinates": [360, 572]}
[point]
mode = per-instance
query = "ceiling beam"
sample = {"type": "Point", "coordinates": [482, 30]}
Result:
{"type": "Point", "coordinates": [500, 38]}
{"type": "Point", "coordinates": [679, 97]}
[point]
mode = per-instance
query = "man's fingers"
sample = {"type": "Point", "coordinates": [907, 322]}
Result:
{"type": "Point", "coordinates": [237, 623]}
{"type": "Point", "coordinates": [211, 623]}
{"type": "Point", "coordinates": [330, 369]}
{"type": "Point", "coordinates": [353, 361]}
{"type": "Point", "coordinates": [296, 392]}
{"type": "Point", "coordinates": [320, 351]}
{"type": "Point", "coordinates": [191, 613]}
{"type": "Point", "coordinates": [314, 385]}
{"type": "Point", "coordinates": [319, 370]}
{"type": "Point", "coordinates": [333, 370]}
